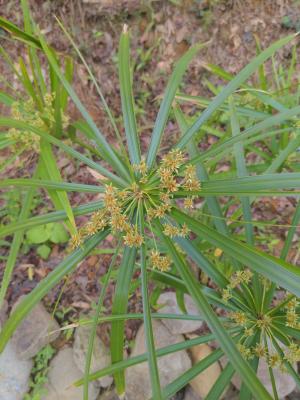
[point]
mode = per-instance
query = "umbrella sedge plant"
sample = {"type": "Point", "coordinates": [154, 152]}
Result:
{"type": "Point", "coordinates": [165, 211]}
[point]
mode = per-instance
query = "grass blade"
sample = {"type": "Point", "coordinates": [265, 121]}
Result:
{"type": "Point", "coordinates": [165, 107]}
{"type": "Point", "coordinates": [9, 122]}
{"type": "Point", "coordinates": [184, 379]}
{"type": "Point", "coordinates": [128, 99]}
{"type": "Point", "coordinates": [281, 272]}
{"type": "Point", "coordinates": [226, 342]}
{"type": "Point", "coordinates": [49, 184]}
{"type": "Point", "coordinates": [64, 268]}
{"type": "Point", "coordinates": [224, 146]}
{"type": "Point", "coordinates": [46, 218]}
{"type": "Point", "coordinates": [120, 304]}
{"type": "Point", "coordinates": [108, 153]}
{"type": "Point", "coordinates": [163, 351]}
{"type": "Point", "coordinates": [241, 170]}
{"type": "Point", "coordinates": [150, 345]}
{"type": "Point", "coordinates": [93, 333]}
{"type": "Point", "coordinates": [221, 383]}
{"type": "Point", "coordinates": [231, 87]}
{"type": "Point", "coordinates": [15, 246]}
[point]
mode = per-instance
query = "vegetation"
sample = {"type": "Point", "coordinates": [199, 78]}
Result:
{"type": "Point", "coordinates": [175, 196]}
{"type": "Point", "coordinates": [39, 374]}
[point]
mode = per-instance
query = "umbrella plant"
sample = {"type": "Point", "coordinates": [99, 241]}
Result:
{"type": "Point", "coordinates": [166, 210]}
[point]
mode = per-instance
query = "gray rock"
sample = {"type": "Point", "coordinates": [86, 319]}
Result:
{"type": "Point", "coordinates": [14, 374]}
{"type": "Point", "coordinates": [190, 394]}
{"type": "Point", "coordinates": [63, 373]}
{"type": "Point", "coordinates": [101, 355]}
{"type": "Point", "coordinates": [34, 332]}
{"type": "Point", "coordinates": [285, 384]}
{"type": "Point", "coordinates": [170, 367]}
{"type": "Point", "coordinates": [168, 300]}
{"type": "Point", "coordinates": [109, 395]}
{"type": "Point", "coordinates": [295, 395]}
{"type": "Point", "coordinates": [204, 381]}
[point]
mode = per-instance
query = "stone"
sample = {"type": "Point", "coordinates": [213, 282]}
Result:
{"type": "Point", "coordinates": [14, 374]}
{"type": "Point", "coordinates": [170, 367]}
{"type": "Point", "coordinates": [285, 384]}
{"type": "Point", "coordinates": [63, 372]}
{"type": "Point", "coordinates": [190, 394]}
{"type": "Point", "coordinates": [295, 395]}
{"type": "Point", "coordinates": [109, 395]}
{"type": "Point", "coordinates": [101, 354]}
{"type": "Point", "coordinates": [204, 381]}
{"type": "Point", "coordinates": [170, 306]}
{"type": "Point", "coordinates": [34, 332]}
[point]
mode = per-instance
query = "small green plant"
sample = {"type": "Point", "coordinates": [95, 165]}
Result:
{"type": "Point", "coordinates": [165, 209]}
{"type": "Point", "coordinates": [65, 316]}
{"type": "Point", "coordinates": [44, 235]}
{"type": "Point", "coordinates": [39, 374]}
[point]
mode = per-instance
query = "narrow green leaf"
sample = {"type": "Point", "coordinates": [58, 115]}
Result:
{"type": "Point", "coordinates": [64, 268]}
{"type": "Point", "coordinates": [6, 99]}
{"type": "Point", "coordinates": [49, 184]}
{"type": "Point", "coordinates": [214, 273]}
{"type": "Point", "coordinates": [9, 122]}
{"type": "Point", "coordinates": [107, 151]}
{"type": "Point", "coordinates": [166, 104]}
{"type": "Point", "coordinates": [46, 218]}
{"type": "Point", "coordinates": [98, 89]}
{"type": "Point", "coordinates": [51, 171]}
{"type": "Point", "coordinates": [224, 146]}
{"type": "Point", "coordinates": [184, 379]}
{"type": "Point", "coordinates": [241, 169]}
{"type": "Point", "coordinates": [236, 82]}
{"type": "Point", "coordinates": [128, 99]}
{"type": "Point", "coordinates": [163, 351]}
{"type": "Point", "coordinates": [281, 272]}
{"type": "Point", "coordinates": [120, 304]}
{"type": "Point", "coordinates": [150, 345]}
{"type": "Point", "coordinates": [221, 383]}
{"type": "Point", "coordinates": [226, 342]}
{"type": "Point", "coordinates": [204, 102]}
{"type": "Point", "coordinates": [93, 333]}
{"type": "Point", "coordinates": [15, 246]}
{"type": "Point", "coordinates": [18, 33]}
{"type": "Point", "coordinates": [212, 202]}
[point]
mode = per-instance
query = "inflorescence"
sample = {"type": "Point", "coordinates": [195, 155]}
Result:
{"type": "Point", "coordinates": [43, 119]}
{"type": "Point", "coordinates": [156, 193]}
{"type": "Point", "coordinates": [258, 338]}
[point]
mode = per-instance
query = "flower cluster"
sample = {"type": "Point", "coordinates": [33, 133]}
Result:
{"type": "Point", "coordinates": [291, 314]}
{"type": "Point", "coordinates": [160, 262]}
{"type": "Point", "coordinates": [239, 277]}
{"type": "Point", "coordinates": [112, 215]}
{"type": "Point", "coordinates": [239, 318]}
{"type": "Point", "coordinates": [42, 119]}
{"type": "Point", "coordinates": [171, 181]}
{"type": "Point", "coordinates": [190, 182]}
{"type": "Point", "coordinates": [274, 359]}
{"type": "Point", "coordinates": [262, 325]}
{"type": "Point", "coordinates": [173, 230]}
{"type": "Point", "coordinates": [155, 193]}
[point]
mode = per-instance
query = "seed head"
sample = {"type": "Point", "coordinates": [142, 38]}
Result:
{"type": "Point", "coordinates": [160, 262]}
